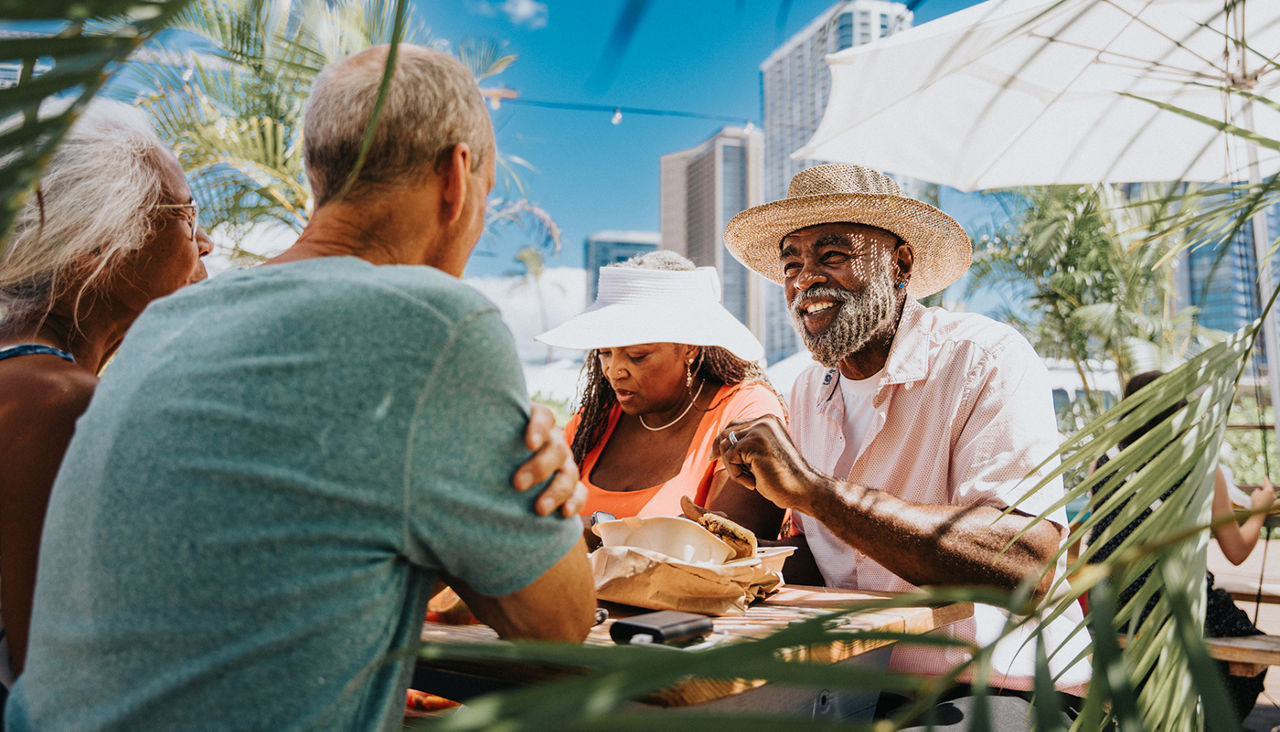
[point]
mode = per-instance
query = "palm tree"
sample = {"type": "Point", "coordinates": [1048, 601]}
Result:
{"type": "Point", "coordinates": [69, 65]}
{"type": "Point", "coordinates": [534, 266]}
{"type": "Point", "coordinates": [1094, 280]}
{"type": "Point", "coordinates": [233, 109]}
{"type": "Point", "coordinates": [1163, 648]}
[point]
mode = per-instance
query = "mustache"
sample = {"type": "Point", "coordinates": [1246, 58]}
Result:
{"type": "Point", "coordinates": [820, 293]}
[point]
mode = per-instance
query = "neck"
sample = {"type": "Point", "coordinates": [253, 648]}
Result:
{"type": "Point", "coordinates": [92, 338]}
{"type": "Point", "coordinates": [874, 354]}
{"type": "Point", "coordinates": [396, 227]}
{"type": "Point", "coordinates": [669, 417]}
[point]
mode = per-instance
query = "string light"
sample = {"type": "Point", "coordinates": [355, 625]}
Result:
{"type": "Point", "coordinates": [617, 112]}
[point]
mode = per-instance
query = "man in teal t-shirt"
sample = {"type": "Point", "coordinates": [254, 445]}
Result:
{"type": "Point", "coordinates": [281, 462]}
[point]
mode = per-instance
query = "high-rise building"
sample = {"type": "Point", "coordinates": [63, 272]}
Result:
{"type": "Point", "coordinates": [604, 248]}
{"type": "Point", "coordinates": [795, 83]}
{"type": "Point", "coordinates": [1221, 281]}
{"type": "Point", "coordinates": [704, 187]}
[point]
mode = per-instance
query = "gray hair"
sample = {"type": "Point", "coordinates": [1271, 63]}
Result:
{"type": "Point", "coordinates": [432, 104]}
{"type": "Point", "coordinates": [94, 205]}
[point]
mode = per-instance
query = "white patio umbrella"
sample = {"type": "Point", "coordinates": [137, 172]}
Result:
{"type": "Point", "coordinates": [1038, 92]}
{"type": "Point", "coordinates": [1029, 92]}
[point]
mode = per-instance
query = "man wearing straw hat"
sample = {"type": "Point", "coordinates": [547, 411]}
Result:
{"type": "Point", "coordinates": [914, 435]}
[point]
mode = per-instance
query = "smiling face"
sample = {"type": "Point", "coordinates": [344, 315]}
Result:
{"type": "Point", "coordinates": [840, 282]}
{"type": "Point", "coordinates": [648, 377]}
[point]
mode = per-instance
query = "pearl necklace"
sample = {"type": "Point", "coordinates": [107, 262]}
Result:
{"type": "Point", "coordinates": [682, 414]}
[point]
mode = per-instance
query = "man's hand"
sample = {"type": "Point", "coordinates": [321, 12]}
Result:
{"type": "Point", "coordinates": [760, 455]}
{"type": "Point", "coordinates": [553, 459]}
{"type": "Point", "coordinates": [925, 544]}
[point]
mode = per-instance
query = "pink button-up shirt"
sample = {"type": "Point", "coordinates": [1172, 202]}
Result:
{"type": "Point", "coordinates": [963, 413]}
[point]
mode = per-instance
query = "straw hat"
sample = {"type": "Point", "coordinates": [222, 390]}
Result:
{"type": "Point", "coordinates": [656, 306]}
{"type": "Point", "coordinates": [827, 194]}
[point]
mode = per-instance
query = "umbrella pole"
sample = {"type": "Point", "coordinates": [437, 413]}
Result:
{"type": "Point", "coordinates": [1262, 251]}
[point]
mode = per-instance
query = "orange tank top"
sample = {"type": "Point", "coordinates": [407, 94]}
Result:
{"type": "Point", "coordinates": [731, 403]}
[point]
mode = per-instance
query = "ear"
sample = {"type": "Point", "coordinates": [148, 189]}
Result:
{"type": "Point", "coordinates": [691, 353]}
{"type": "Point", "coordinates": [455, 181]}
{"type": "Point", "coordinates": [904, 258]}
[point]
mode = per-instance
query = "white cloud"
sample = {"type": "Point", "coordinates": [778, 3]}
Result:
{"type": "Point", "coordinates": [526, 12]}
{"type": "Point", "coordinates": [531, 13]}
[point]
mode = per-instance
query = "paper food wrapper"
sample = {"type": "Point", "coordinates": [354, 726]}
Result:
{"type": "Point", "coordinates": [650, 579]}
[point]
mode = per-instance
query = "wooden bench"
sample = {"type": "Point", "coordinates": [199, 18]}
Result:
{"type": "Point", "coordinates": [1247, 655]}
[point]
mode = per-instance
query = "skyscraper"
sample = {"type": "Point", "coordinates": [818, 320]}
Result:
{"type": "Point", "coordinates": [1221, 281]}
{"type": "Point", "coordinates": [704, 187]}
{"type": "Point", "coordinates": [795, 81]}
{"type": "Point", "coordinates": [604, 248]}
{"type": "Point", "coordinates": [794, 85]}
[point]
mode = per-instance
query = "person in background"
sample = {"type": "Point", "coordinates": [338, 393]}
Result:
{"type": "Point", "coordinates": [1222, 618]}
{"type": "Point", "coordinates": [668, 368]}
{"type": "Point", "coordinates": [112, 228]}
{"type": "Point", "coordinates": [281, 462]}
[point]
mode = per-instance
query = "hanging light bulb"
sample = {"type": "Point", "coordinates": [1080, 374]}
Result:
{"type": "Point", "coordinates": [617, 116]}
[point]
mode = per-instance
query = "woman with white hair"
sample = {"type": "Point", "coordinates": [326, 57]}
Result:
{"type": "Point", "coordinates": [111, 227]}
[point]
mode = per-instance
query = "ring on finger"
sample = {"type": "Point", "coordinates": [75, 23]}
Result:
{"type": "Point", "coordinates": [733, 438]}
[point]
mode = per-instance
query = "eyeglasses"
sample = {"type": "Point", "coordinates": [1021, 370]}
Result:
{"type": "Point", "coordinates": [195, 214]}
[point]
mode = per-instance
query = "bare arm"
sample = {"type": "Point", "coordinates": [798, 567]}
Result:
{"type": "Point", "coordinates": [559, 605]}
{"type": "Point", "coordinates": [1238, 540]}
{"type": "Point", "coordinates": [922, 543]}
{"type": "Point", "coordinates": [38, 423]}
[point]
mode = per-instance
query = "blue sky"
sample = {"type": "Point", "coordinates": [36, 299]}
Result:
{"type": "Point", "coordinates": [699, 56]}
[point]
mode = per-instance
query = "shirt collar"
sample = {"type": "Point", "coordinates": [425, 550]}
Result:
{"type": "Point", "coordinates": [908, 355]}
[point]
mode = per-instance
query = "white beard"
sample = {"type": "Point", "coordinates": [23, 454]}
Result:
{"type": "Point", "coordinates": [862, 314]}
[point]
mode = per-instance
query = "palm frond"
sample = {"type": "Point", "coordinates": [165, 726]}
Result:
{"type": "Point", "coordinates": [70, 65]}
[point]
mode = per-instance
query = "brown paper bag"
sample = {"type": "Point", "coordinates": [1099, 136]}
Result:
{"type": "Point", "coordinates": [649, 579]}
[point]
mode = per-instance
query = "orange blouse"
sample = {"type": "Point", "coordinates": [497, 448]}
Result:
{"type": "Point", "coordinates": [731, 403]}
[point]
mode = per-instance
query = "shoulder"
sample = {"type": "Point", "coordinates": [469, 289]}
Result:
{"type": "Point", "coordinates": [983, 340]}
{"type": "Point", "coordinates": [749, 399]}
{"type": "Point", "coordinates": [973, 328]}
{"type": "Point", "coordinates": [571, 428]}
{"type": "Point", "coordinates": [344, 286]}
{"type": "Point", "coordinates": [56, 388]}
{"type": "Point", "coordinates": [43, 404]}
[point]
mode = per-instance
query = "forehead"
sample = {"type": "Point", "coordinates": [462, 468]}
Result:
{"type": "Point", "coordinates": [173, 182]}
{"type": "Point", "coordinates": [663, 346]}
{"type": "Point", "coordinates": [855, 236]}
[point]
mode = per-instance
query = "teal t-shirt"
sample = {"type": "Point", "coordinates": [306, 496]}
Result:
{"type": "Point", "coordinates": [254, 507]}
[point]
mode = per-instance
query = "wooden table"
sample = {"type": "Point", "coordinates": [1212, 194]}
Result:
{"type": "Point", "coordinates": [790, 604]}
